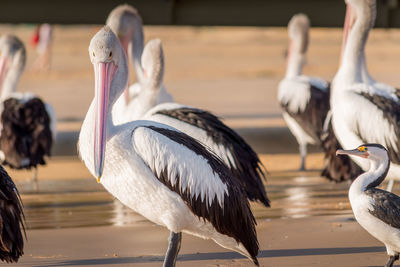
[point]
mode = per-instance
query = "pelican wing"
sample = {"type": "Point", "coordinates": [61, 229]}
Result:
{"type": "Point", "coordinates": [386, 206]}
{"type": "Point", "coordinates": [11, 220]}
{"type": "Point", "coordinates": [200, 178]}
{"type": "Point", "coordinates": [377, 120]}
{"type": "Point", "coordinates": [242, 160]}
{"type": "Point", "coordinates": [26, 137]}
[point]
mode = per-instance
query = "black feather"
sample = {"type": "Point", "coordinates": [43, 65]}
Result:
{"type": "Point", "coordinates": [235, 218]}
{"type": "Point", "coordinates": [246, 168]}
{"type": "Point", "coordinates": [26, 133]}
{"type": "Point", "coordinates": [11, 220]}
{"type": "Point", "coordinates": [386, 206]}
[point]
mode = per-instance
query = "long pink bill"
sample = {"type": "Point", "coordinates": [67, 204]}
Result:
{"type": "Point", "coordinates": [348, 24]}
{"type": "Point", "coordinates": [104, 74]}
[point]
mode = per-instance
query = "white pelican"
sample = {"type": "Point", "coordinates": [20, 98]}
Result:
{"type": "Point", "coordinates": [305, 101]}
{"type": "Point", "coordinates": [11, 220]}
{"type": "Point", "coordinates": [159, 172]}
{"type": "Point", "coordinates": [364, 111]}
{"type": "Point", "coordinates": [126, 23]}
{"type": "Point", "coordinates": [199, 124]}
{"type": "Point", "coordinates": [376, 210]}
{"type": "Point", "coordinates": [27, 123]}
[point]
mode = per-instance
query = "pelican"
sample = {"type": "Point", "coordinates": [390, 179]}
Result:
{"type": "Point", "coordinates": [159, 172]}
{"type": "Point", "coordinates": [364, 111]}
{"type": "Point", "coordinates": [201, 125]}
{"type": "Point", "coordinates": [305, 101]}
{"type": "Point", "coordinates": [27, 123]}
{"type": "Point", "coordinates": [11, 220]}
{"type": "Point", "coordinates": [376, 210]}
{"type": "Point", "coordinates": [127, 24]}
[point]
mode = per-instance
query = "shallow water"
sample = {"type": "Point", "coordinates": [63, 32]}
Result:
{"type": "Point", "coordinates": [292, 196]}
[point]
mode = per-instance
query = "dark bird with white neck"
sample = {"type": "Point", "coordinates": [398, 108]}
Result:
{"type": "Point", "coordinates": [376, 210]}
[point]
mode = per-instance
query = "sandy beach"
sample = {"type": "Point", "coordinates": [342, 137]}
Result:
{"type": "Point", "coordinates": [234, 72]}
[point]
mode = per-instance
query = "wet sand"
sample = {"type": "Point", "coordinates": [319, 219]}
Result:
{"type": "Point", "coordinates": [317, 241]}
{"type": "Point", "coordinates": [309, 224]}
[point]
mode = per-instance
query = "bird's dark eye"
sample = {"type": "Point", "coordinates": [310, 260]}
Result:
{"type": "Point", "coordinates": [93, 54]}
{"type": "Point", "coordinates": [365, 148]}
{"type": "Point", "coordinates": [110, 55]}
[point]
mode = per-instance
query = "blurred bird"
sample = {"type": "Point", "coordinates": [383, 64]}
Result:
{"type": "Point", "coordinates": [241, 159]}
{"type": "Point", "coordinates": [27, 123]}
{"type": "Point", "coordinates": [11, 220]}
{"type": "Point", "coordinates": [126, 23]}
{"type": "Point", "coordinates": [43, 40]}
{"type": "Point", "coordinates": [305, 101]}
{"type": "Point", "coordinates": [364, 111]}
{"type": "Point", "coordinates": [161, 173]}
{"type": "Point", "coordinates": [376, 210]}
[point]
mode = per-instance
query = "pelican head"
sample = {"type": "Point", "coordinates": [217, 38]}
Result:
{"type": "Point", "coordinates": [373, 152]}
{"type": "Point", "coordinates": [124, 20]}
{"type": "Point", "coordinates": [298, 28]}
{"type": "Point", "coordinates": [12, 62]}
{"type": "Point", "coordinates": [111, 76]}
{"type": "Point", "coordinates": [153, 64]}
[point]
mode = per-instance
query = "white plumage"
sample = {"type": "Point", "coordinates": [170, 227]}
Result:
{"type": "Point", "coordinates": [364, 111]}
{"type": "Point", "coordinates": [305, 100]}
{"type": "Point", "coordinates": [161, 173]}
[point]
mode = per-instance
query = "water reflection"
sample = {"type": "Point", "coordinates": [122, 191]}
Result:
{"type": "Point", "coordinates": [292, 197]}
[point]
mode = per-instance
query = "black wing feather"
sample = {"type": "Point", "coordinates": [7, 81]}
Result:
{"type": "Point", "coordinates": [313, 120]}
{"type": "Point", "coordinates": [391, 112]}
{"type": "Point", "coordinates": [235, 218]}
{"type": "Point", "coordinates": [247, 167]}
{"type": "Point", "coordinates": [336, 168]}
{"type": "Point", "coordinates": [11, 220]}
{"type": "Point", "coordinates": [26, 133]}
{"type": "Point", "coordinates": [313, 117]}
{"type": "Point", "coordinates": [386, 206]}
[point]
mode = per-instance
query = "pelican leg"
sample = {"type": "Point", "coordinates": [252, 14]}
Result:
{"type": "Point", "coordinates": [174, 245]}
{"type": "Point", "coordinates": [390, 185]}
{"type": "Point", "coordinates": [391, 260]}
{"type": "Point", "coordinates": [35, 182]}
{"type": "Point", "coordinates": [303, 153]}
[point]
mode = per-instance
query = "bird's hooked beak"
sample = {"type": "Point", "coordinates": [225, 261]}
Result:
{"type": "Point", "coordinates": [353, 152]}
{"type": "Point", "coordinates": [104, 74]}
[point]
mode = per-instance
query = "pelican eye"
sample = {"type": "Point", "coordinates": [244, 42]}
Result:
{"type": "Point", "coordinates": [93, 53]}
{"type": "Point", "coordinates": [110, 55]}
{"type": "Point", "coordinates": [362, 149]}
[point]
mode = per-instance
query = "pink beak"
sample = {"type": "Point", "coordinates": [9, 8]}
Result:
{"type": "Point", "coordinates": [104, 74]}
{"type": "Point", "coordinates": [348, 24]}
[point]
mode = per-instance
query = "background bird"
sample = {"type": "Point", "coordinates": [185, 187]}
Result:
{"type": "Point", "coordinates": [362, 111]}
{"type": "Point", "coordinates": [27, 123]}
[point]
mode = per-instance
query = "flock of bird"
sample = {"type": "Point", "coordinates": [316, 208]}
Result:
{"type": "Point", "coordinates": [181, 167]}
